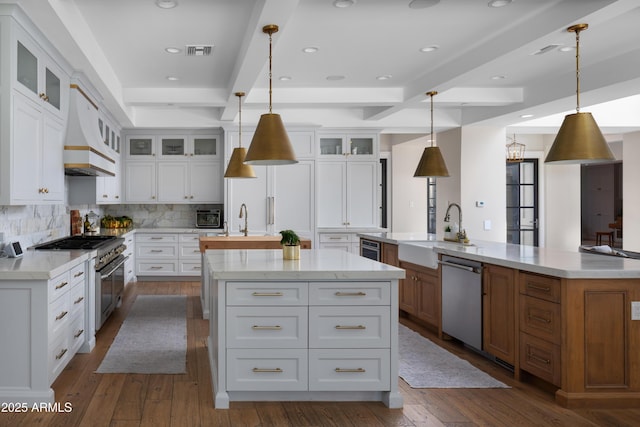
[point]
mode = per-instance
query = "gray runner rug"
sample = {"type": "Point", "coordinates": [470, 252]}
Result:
{"type": "Point", "coordinates": [424, 364]}
{"type": "Point", "coordinates": [152, 339]}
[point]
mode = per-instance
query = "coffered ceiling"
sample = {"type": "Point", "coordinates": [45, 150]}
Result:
{"type": "Point", "coordinates": [490, 65]}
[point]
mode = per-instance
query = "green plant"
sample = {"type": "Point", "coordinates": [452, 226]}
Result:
{"type": "Point", "coordinates": [289, 238]}
{"type": "Point", "coordinates": [447, 229]}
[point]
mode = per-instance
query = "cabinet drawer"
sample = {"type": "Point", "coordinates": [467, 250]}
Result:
{"type": "Point", "coordinates": [58, 286]}
{"type": "Point", "coordinates": [189, 251]}
{"type": "Point", "coordinates": [77, 299]}
{"type": "Point", "coordinates": [267, 293]}
{"type": "Point", "coordinates": [156, 268]}
{"type": "Point", "coordinates": [190, 268]}
{"type": "Point", "coordinates": [334, 237]}
{"type": "Point", "coordinates": [157, 238]}
{"type": "Point", "coordinates": [267, 370]}
{"type": "Point", "coordinates": [77, 274]}
{"type": "Point", "coordinates": [58, 316]}
{"type": "Point", "coordinates": [349, 293]}
{"type": "Point", "coordinates": [190, 238]}
{"type": "Point", "coordinates": [540, 358]}
{"type": "Point", "coordinates": [349, 327]}
{"type": "Point", "coordinates": [77, 331]}
{"type": "Point", "coordinates": [59, 355]}
{"type": "Point", "coordinates": [267, 327]}
{"type": "Point", "coordinates": [544, 287]}
{"type": "Point", "coordinates": [156, 251]}
{"type": "Point", "coordinates": [349, 370]}
{"type": "Point", "coordinates": [540, 318]}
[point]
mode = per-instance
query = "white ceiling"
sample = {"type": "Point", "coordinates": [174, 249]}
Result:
{"type": "Point", "coordinates": [119, 45]}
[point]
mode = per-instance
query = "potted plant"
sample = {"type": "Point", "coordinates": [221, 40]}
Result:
{"type": "Point", "coordinates": [447, 232]}
{"type": "Point", "coordinates": [290, 244]}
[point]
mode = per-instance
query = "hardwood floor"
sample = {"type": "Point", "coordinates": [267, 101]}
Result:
{"type": "Point", "coordinates": [123, 400]}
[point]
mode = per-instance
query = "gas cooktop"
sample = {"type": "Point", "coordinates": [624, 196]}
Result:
{"type": "Point", "coordinates": [77, 242]}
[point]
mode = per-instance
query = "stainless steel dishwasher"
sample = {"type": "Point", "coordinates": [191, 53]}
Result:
{"type": "Point", "coordinates": [462, 300]}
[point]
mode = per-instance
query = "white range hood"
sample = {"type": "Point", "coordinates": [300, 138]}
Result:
{"type": "Point", "coordinates": [84, 150]}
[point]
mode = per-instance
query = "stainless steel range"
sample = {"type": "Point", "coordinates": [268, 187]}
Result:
{"type": "Point", "coordinates": [109, 268]}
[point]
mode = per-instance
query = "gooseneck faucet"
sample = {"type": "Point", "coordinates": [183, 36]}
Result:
{"type": "Point", "coordinates": [245, 230]}
{"type": "Point", "coordinates": [461, 233]}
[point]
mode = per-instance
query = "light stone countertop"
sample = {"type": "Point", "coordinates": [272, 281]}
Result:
{"type": "Point", "coordinates": [396, 238]}
{"type": "Point", "coordinates": [41, 265]}
{"type": "Point", "coordinates": [314, 264]}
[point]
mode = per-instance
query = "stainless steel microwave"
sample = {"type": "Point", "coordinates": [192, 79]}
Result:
{"type": "Point", "coordinates": [209, 218]}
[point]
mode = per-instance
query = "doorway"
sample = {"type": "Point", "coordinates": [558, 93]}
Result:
{"type": "Point", "coordinates": [522, 202]}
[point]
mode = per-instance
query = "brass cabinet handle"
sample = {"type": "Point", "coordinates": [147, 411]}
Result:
{"type": "Point", "coordinates": [263, 328]}
{"type": "Point", "coordinates": [77, 334]}
{"type": "Point", "coordinates": [538, 287]}
{"type": "Point", "coordinates": [62, 285]}
{"type": "Point", "coordinates": [78, 274]}
{"type": "Point", "coordinates": [155, 251]}
{"type": "Point", "coordinates": [79, 300]}
{"type": "Point", "coordinates": [351, 327]}
{"type": "Point", "coordinates": [539, 319]}
{"type": "Point", "coordinates": [350, 294]}
{"type": "Point", "coordinates": [62, 353]}
{"type": "Point", "coordinates": [155, 267]}
{"type": "Point", "coordinates": [358, 370]}
{"type": "Point", "coordinates": [276, 370]}
{"type": "Point", "coordinates": [539, 359]}
{"type": "Point", "coordinates": [61, 315]}
{"type": "Point", "coordinates": [157, 238]}
{"type": "Point", "coordinates": [267, 294]}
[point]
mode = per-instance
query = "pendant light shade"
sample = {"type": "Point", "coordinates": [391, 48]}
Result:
{"type": "Point", "coordinates": [579, 139]}
{"type": "Point", "coordinates": [431, 163]}
{"type": "Point", "coordinates": [270, 144]}
{"type": "Point", "coordinates": [236, 167]}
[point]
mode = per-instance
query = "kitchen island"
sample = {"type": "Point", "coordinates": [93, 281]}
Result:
{"type": "Point", "coordinates": [324, 327]}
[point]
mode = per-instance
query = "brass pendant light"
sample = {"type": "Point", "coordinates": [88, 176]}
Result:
{"type": "Point", "coordinates": [431, 163]}
{"type": "Point", "coordinates": [236, 167]}
{"type": "Point", "coordinates": [270, 144]}
{"type": "Point", "coordinates": [579, 139]}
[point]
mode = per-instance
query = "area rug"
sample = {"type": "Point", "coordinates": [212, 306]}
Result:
{"type": "Point", "coordinates": [424, 364]}
{"type": "Point", "coordinates": [152, 339]}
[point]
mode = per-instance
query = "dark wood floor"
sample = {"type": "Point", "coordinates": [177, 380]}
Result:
{"type": "Point", "coordinates": [186, 400]}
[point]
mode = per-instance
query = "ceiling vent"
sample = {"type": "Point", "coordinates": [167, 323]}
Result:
{"type": "Point", "coordinates": [198, 50]}
{"type": "Point", "coordinates": [546, 49]}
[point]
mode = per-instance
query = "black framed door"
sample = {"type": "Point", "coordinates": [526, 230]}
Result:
{"type": "Point", "coordinates": [522, 202]}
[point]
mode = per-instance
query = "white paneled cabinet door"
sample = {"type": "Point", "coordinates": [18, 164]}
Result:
{"type": "Point", "coordinates": [361, 194]}
{"type": "Point", "coordinates": [293, 195]}
{"type": "Point", "coordinates": [331, 192]}
{"type": "Point", "coordinates": [205, 182]}
{"type": "Point", "coordinates": [53, 165]}
{"type": "Point", "coordinates": [27, 129]}
{"type": "Point", "coordinates": [140, 185]}
{"type": "Point", "coordinates": [173, 182]}
{"type": "Point", "coordinates": [252, 192]}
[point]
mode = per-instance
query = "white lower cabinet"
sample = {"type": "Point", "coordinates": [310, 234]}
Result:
{"type": "Point", "coordinates": [130, 253]}
{"type": "Point", "coordinates": [305, 336]}
{"type": "Point", "coordinates": [189, 255]}
{"type": "Point", "coordinates": [167, 254]}
{"type": "Point", "coordinates": [348, 242]}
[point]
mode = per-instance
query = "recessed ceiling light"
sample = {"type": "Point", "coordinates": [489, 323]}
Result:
{"type": "Point", "coordinates": [310, 49]}
{"type": "Point", "coordinates": [499, 3]}
{"type": "Point", "coordinates": [431, 48]}
{"type": "Point", "coordinates": [423, 4]}
{"type": "Point", "coordinates": [284, 78]}
{"type": "Point", "coordinates": [567, 49]}
{"type": "Point", "coordinates": [172, 78]}
{"type": "Point", "coordinates": [173, 50]}
{"type": "Point", "coordinates": [526, 116]}
{"type": "Point", "coordinates": [344, 3]}
{"type": "Point", "coordinates": [335, 78]}
{"type": "Point", "coordinates": [166, 4]}
{"type": "Point", "coordinates": [384, 77]}
{"type": "Point", "coordinates": [498, 77]}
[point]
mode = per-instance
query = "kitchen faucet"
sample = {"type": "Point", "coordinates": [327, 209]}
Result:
{"type": "Point", "coordinates": [246, 217]}
{"type": "Point", "coordinates": [461, 235]}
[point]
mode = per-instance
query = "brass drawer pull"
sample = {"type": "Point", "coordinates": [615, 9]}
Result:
{"type": "Point", "coordinates": [350, 294]}
{"type": "Point", "coordinates": [265, 328]}
{"type": "Point", "coordinates": [78, 274]}
{"type": "Point", "coordinates": [77, 334]}
{"type": "Point", "coordinates": [539, 359]}
{"type": "Point", "coordinates": [539, 287]}
{"type": "Point", "coordinates": [358, 370]}
{"type": "Point", "coordinates": [61, 315]}
{"type": "Point", "coordinates": [79, 300]}
{"type": "Point", "coordinates": [267, 294]}
{"type": "Point", "coordinates": [539, 319]}
{"type": "Point", "coordinates": [157, 238]}
{"type": "Point", "coordinates": [155, 267]}
{"type": "Point", "coordinates": [62, 353]}
{"type": "Point", "coordinates": [62, 285]}
{"type": "Point", "coordinates": [156, 251]}
{"type": "Point", "coordinates": [351, 327]}
{"type": "Point", "coordinates": [276, 370]}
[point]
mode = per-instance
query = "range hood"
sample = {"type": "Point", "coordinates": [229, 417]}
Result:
{"type": "Point", "coordinates": [84, 151]}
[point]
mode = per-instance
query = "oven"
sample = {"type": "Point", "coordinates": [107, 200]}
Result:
{"type": "Point", "coordinates": [109, 288]}
{"type": "Point", "coordinates": [370, 249]}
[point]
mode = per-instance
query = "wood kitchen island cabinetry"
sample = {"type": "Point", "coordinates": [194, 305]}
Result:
{"type": "Point", "coordinates": [324, 327]}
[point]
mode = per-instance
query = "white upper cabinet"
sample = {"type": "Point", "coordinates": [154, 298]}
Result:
{"type": "Point", "coordinates": [141, 147]}
{"type": "Point", "coordinates": [345, 146]}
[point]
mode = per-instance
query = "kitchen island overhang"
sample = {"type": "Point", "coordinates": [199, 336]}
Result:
{"type": "Point", "coordinates": [322, 328]}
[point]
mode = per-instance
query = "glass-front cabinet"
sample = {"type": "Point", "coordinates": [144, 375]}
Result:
{"type": "Point", "coordinates": [140, 147]}
{"type": "Point", "coordinates": [196, 147]}
{"type": "Point", "coordinates": [205, 146]}
{"type": "Point", "coordinates": [352, 147]}
{"type": "Point", "coordinates": [174, 146]}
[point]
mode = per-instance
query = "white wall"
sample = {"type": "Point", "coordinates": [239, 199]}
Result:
{"type": "Point", "coordinates": [448, 189]}
{"type": "Point", "coordinates": [409, 194]}
{"type": "Point", "coordinates": [630, 193]}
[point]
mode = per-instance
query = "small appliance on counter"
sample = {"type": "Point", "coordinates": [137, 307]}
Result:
{"type": "Point", "coordinates": [91, 223]}
{"type": "Point", "coordinates": [210, 218]}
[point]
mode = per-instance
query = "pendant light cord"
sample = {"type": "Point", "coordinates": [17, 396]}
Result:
{"type": "Point", "coordinates": [577, 70]}
{"type": "Point", "coordinates": [431, 135]}
{"type": "Point", "coordinates": [270, 73]}
{"type": "Point", "coordinates": [239, 120]}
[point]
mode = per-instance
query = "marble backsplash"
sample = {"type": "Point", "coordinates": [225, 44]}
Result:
{"type": "Point", "coordinates": [35, 224]}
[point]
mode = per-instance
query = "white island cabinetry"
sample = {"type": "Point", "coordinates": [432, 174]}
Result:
{"type": "Point", "coordinates": [324, 327]}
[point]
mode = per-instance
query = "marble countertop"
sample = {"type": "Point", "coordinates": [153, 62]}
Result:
{"type": "Point", "coordinates": [553, 262]}
{"type": "Point", "coordinates": [314, 264]}
{"type": "Point", "coordinates": [41, 265]}
{"type": "Point", "coordinates": [396, 238]}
